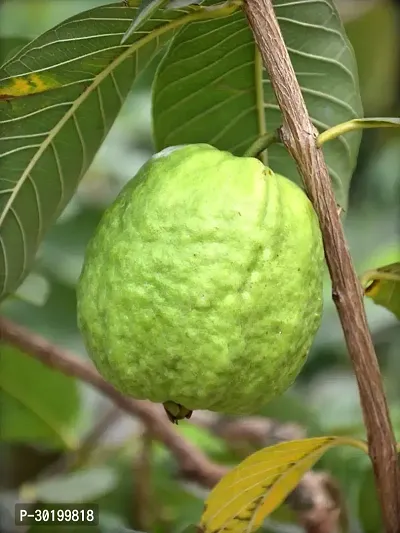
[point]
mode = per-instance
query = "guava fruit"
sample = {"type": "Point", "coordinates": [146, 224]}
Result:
{"type": "Point", "coordinates": [202, 286]}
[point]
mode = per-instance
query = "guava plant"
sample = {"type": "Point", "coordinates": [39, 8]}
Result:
{"type": "Point", "coordinates": [202, 286]}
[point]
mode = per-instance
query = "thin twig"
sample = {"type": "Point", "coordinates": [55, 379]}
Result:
{"type": "Point", "coordinates": [142, 501]}
{"type": "Point", "coordinates": [193, 464]}
{"type": "Point", "coordinates": [299, 135]}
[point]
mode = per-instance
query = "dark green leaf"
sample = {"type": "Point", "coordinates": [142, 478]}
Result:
{"type": "Point", "coordinates": [377, 59]}
{"type": "Point", "coordinates": [10, 46]}
{"type": "Point", "coordinates": [368, 506]}
{"type": "Point", "coordinates": [211, 87]}
{"type": "Point", "coordinates": [59, 97]}
{"type": "Point", "coordinates": [37, 403]}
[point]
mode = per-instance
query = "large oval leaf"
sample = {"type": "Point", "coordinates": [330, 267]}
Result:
{"type": "Point", "coordinates": [59, 96]}
{"type": "Point", "coordinates": [211, 86]}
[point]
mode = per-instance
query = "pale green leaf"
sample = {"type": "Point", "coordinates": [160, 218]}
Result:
{"type": "Point", "coordinates": [76, 487]}
{"type": "Point", "coordinates": [35, 289]}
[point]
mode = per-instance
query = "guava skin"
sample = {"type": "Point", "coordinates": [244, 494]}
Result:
{"type": "Point", "coordinates": [203, 282]}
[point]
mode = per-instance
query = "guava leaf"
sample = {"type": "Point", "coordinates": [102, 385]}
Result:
{"type": "Point", "coordinates": [256, 487]}
{"type": "Point", "coordinates": [383, 287]}
{"type": "Point", "coordinates": [144, 12]}
{"type": "Point", "coordinates": [10, 46]}
{"type": "Point", "coordinates": [59, 96]}
{"type": "Point", "coordinates": [175, 4]}
{"type": "Point", "coordinates": [37, 404]}
{"type": "Point", "coordinates": [368, 506]}
{"type": "Point", "coordinates": [377, 59]}
{"type": "Point", "coordinates": [211, 87]}
{"type": "Point", "coordinates": [35, 289]}
{"type": "Point", "coordinates": [76, 487]}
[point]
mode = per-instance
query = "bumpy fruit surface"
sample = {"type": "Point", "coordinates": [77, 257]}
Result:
{"type": "Point", "coordinates": [202, 285]}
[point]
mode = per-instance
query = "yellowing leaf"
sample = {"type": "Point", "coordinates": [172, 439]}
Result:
{"type": "Point", "coordinates": [383, 287]}
{"type": "Point", "coordinates": [25, 85]}
{"type": "Point", "coordinates": [243, 498]}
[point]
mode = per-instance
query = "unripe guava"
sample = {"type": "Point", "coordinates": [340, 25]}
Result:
{"type": "Point", "coordinates": [202, 286]}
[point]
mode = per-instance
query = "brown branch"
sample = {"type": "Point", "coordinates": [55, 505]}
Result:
{"type": "Point", "coordinates": [318, 503]}
{"type": "Point", "coordinates": [298, 135]}
{"type": "Point", "coordinates": [142, 501]}
{"type": "Point", "coordinates": [193, 464]}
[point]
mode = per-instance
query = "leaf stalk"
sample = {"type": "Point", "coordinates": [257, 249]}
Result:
{"type": "Point", "coordinates": [261, 144]}
{"type": "Point", "coordinates": [356, 124]}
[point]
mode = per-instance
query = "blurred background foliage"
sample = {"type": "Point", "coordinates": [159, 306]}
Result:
{"type": "Point", "coordinates": [45, 417]}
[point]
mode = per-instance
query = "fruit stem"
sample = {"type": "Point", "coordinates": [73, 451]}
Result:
{"type": "Point", "coordinates": [356, 124]}
{"type": "Point", "coordinates": [261, 144]}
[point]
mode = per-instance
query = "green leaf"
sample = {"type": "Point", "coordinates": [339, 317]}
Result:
{"type": "Point", "coordinates": [146, 9]}
{"type": "Point", "coordinates": [35, 289]}
{"type": "Point", "coordinates": [369, 511]}
{"type": "Point", "coordinates": [36, 403]}
{"type": "Point", "coordinates": [204, 439]}
{"type": "Point", "coordinates": [211, 87]}
{"type": "Point", "coordinates": [383, 286]}
{"type": "Point", "coordinates": [10, 46]}
{"type": "Point", "coordinates": [175, 4]}
{"type": "Point", "coordinates": [77, 487]}
{"type": "Point", "coordinates": [59, 97]}
{"type": "Point", "coordinates": [113, 523]}
{"type": "Point", "coordinates": [377, 59]}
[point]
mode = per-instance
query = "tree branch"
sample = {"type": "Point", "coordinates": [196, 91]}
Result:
{"type": "Point", "coordinates": [298, 135]}
{"type": "Point", "coordinates": [310, 500]}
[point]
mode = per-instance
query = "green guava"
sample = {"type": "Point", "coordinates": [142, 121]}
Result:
{"type": "Point", "coordinates": [202, 286]}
